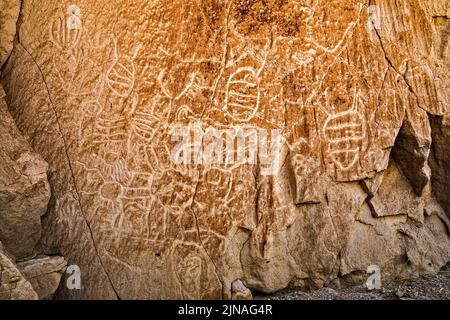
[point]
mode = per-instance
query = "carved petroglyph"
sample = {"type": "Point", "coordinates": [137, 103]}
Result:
{"type": "Point", "coordinates": [69, 213]}
{"type": "Point", "coordinates": [174, 96]}
{"type": "Point", "coordinates": [332, 49]}
{"type": "Point", "coordinates": [345, 133]}
{"type": "Point", "coordinates": [75, 55]}
{"type": "Point", "coordinates": [243, 94]}
{"type": "Point", "coordinates": [144, 125]}
{"type": "Point", "coordinates": [68, 205]}
{"type": "Point", "coordinates": [74, 18]}
{"type": "Point", "coordinates": [110, 120]}
{"type": "Point", "coordinates": [68, 65]}
{"type": "Point", "coordinates": [121, 76]}
{"type": "Point", "coordinates": [64, 32]}
{"type": "Point", "coordinates": [136, 201]}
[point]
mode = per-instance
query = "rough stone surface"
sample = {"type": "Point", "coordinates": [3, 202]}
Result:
{"type": "Point", "coordinates": [240, 292]}
{"type": "Point", "coordinates": [9, 13]}
{"type": "Point", "coordinates": [44, 273]}
{"type": "Point", "coordinates": [13, 285]}
{"type": "Point", "coordinates": [24, 188]}
{"type": "Point", "coordinates": [351, 85]}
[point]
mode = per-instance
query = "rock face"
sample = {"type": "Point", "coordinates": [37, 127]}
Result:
{"type": "Point", "coordinates": [13, 286]}
{"type": "Point", "coordinates": [44, 274]}
{"type": "Point", "coordinates": [134, 105]}
{"type": "Point", "coordinates": [440, 159]}
{"type": "Point", "coordinates": [9, 13]}
{"type": "Point", "coordinates": [24, 188]}
{"type": "Point", "coordinates": [31, 280]}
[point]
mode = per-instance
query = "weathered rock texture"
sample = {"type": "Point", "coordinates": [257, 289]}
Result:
{"type": "Point", "coordinates": [351, 85]}
{"type": "Point", "coordinates": [13, 285]}
{"type": "Point", "coordinates": [24, 197]}
{"type": "Point", "coordinates": [9, 13]}
{"type": "Point", "coordinates": [24, 188]}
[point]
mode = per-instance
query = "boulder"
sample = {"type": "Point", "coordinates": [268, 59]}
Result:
{"type": "Point", "coordinates": [193, 143]}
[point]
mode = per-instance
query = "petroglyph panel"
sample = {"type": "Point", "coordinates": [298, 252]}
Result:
{"type": "Point", "coordinates": [123, 83]}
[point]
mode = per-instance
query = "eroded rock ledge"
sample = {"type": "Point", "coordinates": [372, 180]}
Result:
{"type": "Point", "coordinates": [358, 89]}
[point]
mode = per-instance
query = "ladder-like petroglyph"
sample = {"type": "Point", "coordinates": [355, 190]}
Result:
{"type": "Point", "coordinates": [243, 94]}
{"type": "Point", "coordinates": [64, 38]}
{"type": "Point", "coordinates": [121, 76]}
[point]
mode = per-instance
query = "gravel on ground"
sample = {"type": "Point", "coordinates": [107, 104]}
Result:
{"type": "Point", "coordinates": [431, 288]}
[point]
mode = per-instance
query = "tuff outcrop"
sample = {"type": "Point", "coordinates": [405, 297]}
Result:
{"type": "Point", "coordinates": [357, 90]}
